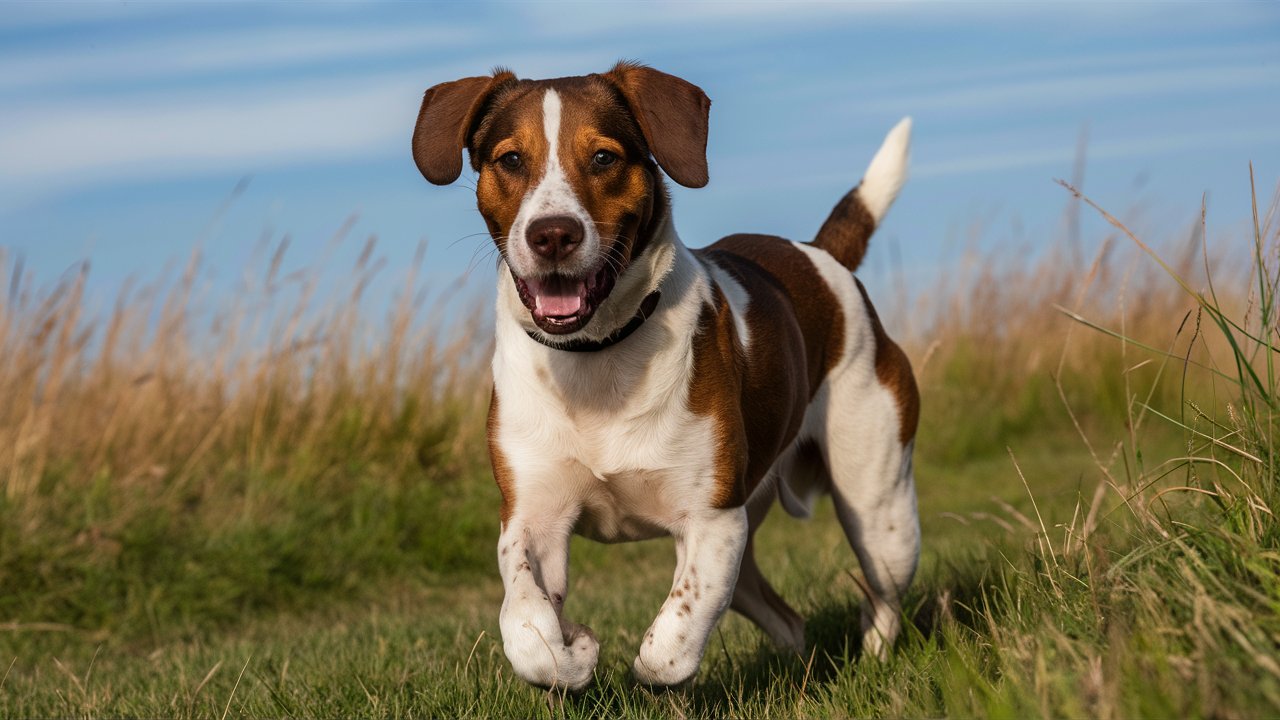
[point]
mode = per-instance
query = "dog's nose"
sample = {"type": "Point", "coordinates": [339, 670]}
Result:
{"type": "Point", "coordinates": [556, 237]}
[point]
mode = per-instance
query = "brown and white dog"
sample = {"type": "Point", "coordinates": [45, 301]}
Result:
{"type": "Point", "coordinates": [642, 388]}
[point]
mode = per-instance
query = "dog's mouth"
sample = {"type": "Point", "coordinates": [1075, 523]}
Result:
{"type": "Point", "coordinates": [560, 304]}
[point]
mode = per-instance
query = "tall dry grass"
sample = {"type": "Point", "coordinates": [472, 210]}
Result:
{"type": "Point", "coordinates": [1157, 597]}
{"type": "Point", "coordinates": [284, 379]}
{"type": "Point", "coordinates": [169, 450]}
{"type": "Point", "coordinates": [1002, 358]}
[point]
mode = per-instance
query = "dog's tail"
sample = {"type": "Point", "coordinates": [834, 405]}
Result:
{"type": "Point", "coordinates": [848, 229]}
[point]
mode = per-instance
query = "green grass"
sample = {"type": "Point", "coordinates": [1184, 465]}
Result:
{"type": "Point", "coordinates": [1099, 539]}
{"type": "Point", "coordinates": [432, 648]}
{"type": "Point", "coordinates": [997, 631]}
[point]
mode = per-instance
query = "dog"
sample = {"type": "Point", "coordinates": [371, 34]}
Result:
{"type": "Point", "coordinates": [642, 388]}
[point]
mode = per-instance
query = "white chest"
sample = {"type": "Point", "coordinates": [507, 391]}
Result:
{"type": "Point", "coordinates": [608, 437]}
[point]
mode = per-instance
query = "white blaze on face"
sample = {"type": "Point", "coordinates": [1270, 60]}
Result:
{"type": "Point", "coordinates": [552, 196]}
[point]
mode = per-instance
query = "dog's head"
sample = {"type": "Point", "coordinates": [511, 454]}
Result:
{"type": "Point", "coordinates": [568, 179]}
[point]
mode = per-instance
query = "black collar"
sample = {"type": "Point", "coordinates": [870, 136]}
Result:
{"type": "Point", "coordinates": [647, 306]}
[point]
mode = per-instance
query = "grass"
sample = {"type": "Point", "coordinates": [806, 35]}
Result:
{"type": "Point", "coordinates": [273, 510]}
{"type": "Point", "coordinates": [166, 469]}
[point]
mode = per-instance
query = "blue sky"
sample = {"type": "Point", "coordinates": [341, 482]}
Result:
{"type": "Point", "coordinates": [125, 128]}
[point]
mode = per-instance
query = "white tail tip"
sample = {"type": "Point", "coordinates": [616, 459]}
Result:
{"type": "Point", "coordinates": [887, 171]}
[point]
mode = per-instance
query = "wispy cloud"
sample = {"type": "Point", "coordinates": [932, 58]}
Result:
{"type": "Point", "coordinates": [187, 103]}
{"type": "Point", "coordinates": [36, 15]}
{"type": "Point", "coordinates": [1079, 89]}
{"type": "Point", "coordinates": [65, 143]}
{"type": "Point", "coordinates": [65, 146]}
{"type": "Point", "coordinates": [1043, 68]}
{"type": "Point", "coordinates": [938, 154]}
{"type": "Point", "coordinates": [1115, 149]}
{"type": "Point", "coordinates": [579, 18]}
{"type": "Point", "coordinates": [206, 53]}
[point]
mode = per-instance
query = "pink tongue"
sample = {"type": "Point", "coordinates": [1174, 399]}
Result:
{"type": "Point", "coordinates": [557, 296]}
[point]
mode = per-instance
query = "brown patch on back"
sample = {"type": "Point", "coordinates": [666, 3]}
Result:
{"type": "Point", "coordinates": [502, 473]}
{"type": "Point", "coordinates": [893, 370]}
{"type": "Point", "coordinates": [847, 231]}
{"type": "Point", "coordinates": [816, 309]}
{"type": "Point", "coordinates": [797, 333]}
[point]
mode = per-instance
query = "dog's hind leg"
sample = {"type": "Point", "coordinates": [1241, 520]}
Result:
{"type": "Point", "coordinates": [754, 598]}
{"type": "Point", "coordinates": [873, 489]}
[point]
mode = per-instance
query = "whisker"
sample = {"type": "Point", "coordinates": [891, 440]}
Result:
{"type": "Point", "coordinates": [468, 236]}
{"type": "Point", "coordinates": [610, 257]}
{"type": "Point", "coordinates": [479, 256]}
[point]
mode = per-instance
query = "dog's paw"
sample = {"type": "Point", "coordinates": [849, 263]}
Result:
{"type": "Point", "coordinates": [653, 667]}
{"type": "Point", "coordinates": [566, 663]}
{"type": "Point", "coordinates": [874, 645]}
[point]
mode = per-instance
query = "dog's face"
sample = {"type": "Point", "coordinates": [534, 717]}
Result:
{"type": "Point", "coordinates": [566, 182]}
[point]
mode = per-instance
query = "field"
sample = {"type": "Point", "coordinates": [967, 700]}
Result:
{"type": "Point", "coordinates": [275, 509]}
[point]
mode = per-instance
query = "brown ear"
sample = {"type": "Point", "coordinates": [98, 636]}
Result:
{"type": "Point", "coordinates": [449, 112]}
{"type": "Point", "coordinates": [673, 117]}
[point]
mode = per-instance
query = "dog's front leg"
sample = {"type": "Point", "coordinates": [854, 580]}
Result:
{"type": "Point", "coordinates": [543, 648]}
{"type": "Point", "coordinates": [708, 554]}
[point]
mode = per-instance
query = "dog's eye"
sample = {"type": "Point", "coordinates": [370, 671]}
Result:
{"type": "Point", "coordinates": [603, 158]}
{"type": "Point", "coordinates": [511, 160]}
